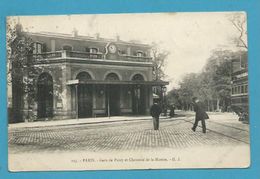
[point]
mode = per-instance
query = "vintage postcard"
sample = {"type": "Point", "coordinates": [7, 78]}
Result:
{"type": "Point", "coordinates": [128, 91]}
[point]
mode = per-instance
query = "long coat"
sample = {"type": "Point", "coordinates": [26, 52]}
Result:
{"type": "Point", "coordinates": [200, 111]}
{"type": "Point", "coordinates": [155, 110]}
{"type": "Point", "coordinates": [172, 108]}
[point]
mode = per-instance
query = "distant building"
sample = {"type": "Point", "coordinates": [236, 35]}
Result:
{"type": "Point", "coordinates": [239, 94]}
{"type": "Point", "coordinates": [81, 76]}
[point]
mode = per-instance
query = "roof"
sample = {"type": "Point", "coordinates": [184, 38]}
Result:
{"type": "Point", "coordinates": [86, 38]}
{"type": "Point", "coordinates": [151, 83]}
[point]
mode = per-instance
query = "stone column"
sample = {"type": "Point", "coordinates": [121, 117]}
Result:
{"type": "Point", "coordinates": [149, 98]}
{"type": "Point", "coordinates": [94, 99]}
{"type": "Point", "coordinates": [65, 95]}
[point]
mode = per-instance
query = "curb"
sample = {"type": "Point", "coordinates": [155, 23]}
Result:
{"type": "Point", "coordinates": [74, 124]}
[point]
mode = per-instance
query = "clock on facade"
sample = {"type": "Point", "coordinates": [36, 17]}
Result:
{"type": "Point", "coordinates": [112, 48]}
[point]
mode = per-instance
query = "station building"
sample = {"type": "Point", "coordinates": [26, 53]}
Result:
{"type": "Point", "coordinates": [81, 76]}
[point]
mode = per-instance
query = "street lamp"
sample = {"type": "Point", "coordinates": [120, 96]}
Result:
{"type": "Point", "coordinates": [164, 89]}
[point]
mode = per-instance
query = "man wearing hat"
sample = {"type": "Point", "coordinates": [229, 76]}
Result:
{"type": "Point", "coordinates": [201, 114]}
{"type": "Point", "coordinates": [155, 113]}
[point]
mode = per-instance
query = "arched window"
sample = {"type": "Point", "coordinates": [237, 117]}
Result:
{"type": "Point", "coordinates": [138, 77]}
{"type": "Point", "coordinates": [45, 79]}
{"type": "Point", "coordinates": [83, 77]}
{"type": "Point", "coordinates": [112, 77]}
{"type": "Point", "coordinates": [67, 47]}
{"type": "Point", "coordinates": [139, 54]}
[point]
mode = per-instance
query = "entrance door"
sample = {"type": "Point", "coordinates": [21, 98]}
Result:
{"type": "Point", "coordinates": [138, 96]}
{"type": "Point", "coordinates": [45, 96]}
{"type": "Point", "coordinates": [113, 100]}
{"type": "Point", "coordinates": [138, 100]}
{"type": "Point", "coordinates": [85, 101]}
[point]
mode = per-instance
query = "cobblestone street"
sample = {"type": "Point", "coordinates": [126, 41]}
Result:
{"type": "Point", "coordinates": [130, 135]}
{"type": "Point", "coordinates": [135, 136]}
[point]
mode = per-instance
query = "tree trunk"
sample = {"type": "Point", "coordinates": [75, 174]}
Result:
{"type": "Point", "coordinates": [218, 104]}
{"type": "Point", "coordinates": [212, 105]}
{"type": "Point", "coordinates": [224, 108]}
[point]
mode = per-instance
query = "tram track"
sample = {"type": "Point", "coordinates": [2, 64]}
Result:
{"type": "Point", "coordinates": [144, 125]}
{"type": "Point", "coordinates": [220, 133]}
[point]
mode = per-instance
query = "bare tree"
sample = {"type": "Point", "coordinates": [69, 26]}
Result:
{"type": "Point", "coordinates": [159, 57]}
{"type": "Point", "coordinates": [238, 20]}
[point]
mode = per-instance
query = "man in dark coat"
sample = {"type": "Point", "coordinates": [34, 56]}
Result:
{"type": "Point", "coordinates": [172, 108]}
{"type": "Point", "coordinates": [201, 115]}
{"type": "Point", "coordinates": [155, 113]}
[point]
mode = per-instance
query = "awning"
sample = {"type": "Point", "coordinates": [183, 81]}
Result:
{"type": "Point", "coordinates": [155, 96]}
{"type": "Point", "coordinates": [96, 82]}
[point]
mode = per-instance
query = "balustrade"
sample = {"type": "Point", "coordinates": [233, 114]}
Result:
{"type": "Point", "coordinates": [86, 55]}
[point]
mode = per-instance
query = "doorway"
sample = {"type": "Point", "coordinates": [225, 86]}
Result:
{"type": "Point", "coordinates": [138, 99]}
{"type": "Point", "coordinates": [84, 101]}
{"type": "Point", "coordinates": [45, 96]}
{"type": "Point", "coordinates": [113, 100]}
{"type": "Point", "coordinates": [138, 96]}
{"type": "Point", "coordinates": [85, 95]}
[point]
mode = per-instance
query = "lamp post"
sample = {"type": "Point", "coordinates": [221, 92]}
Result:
{"type": "Point", "coordinates": [164, 89]}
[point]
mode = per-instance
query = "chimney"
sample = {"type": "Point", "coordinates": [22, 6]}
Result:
{"type": "Point", "coordinates": [97, 35]}
{"type": "Point", "coordinates": [117, 38]}
{"type": "Point", "coordinates": [75, 32]}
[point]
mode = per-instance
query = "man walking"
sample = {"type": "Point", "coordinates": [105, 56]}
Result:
{"type": "Point", "coordinates": [155, 113]}
{"type": "Point", "coordinates": [201, 115]}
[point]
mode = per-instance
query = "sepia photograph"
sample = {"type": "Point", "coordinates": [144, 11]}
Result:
{"type": "Point", "coordinates": [128, 91]}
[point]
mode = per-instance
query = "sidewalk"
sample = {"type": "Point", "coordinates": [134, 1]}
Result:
{"type": "Point", "coordinates": [65, 122]}
{"type": "Point", "coordinates": [228, 119]}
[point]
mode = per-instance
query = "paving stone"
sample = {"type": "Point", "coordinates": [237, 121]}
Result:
{"type": "Point", "coordinates": [134, 135]}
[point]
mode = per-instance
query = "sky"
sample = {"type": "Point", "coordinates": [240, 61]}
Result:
{"type": "Point", "coordinates": [188, 37]}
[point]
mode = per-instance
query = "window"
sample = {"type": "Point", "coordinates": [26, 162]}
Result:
{"type": "Point", "coordinates": [246, 90]}
{"type": "Point", "coordinates": [242, 89]}
{"type": "Point", "coordinates": [128, 51]}
{"type": "Point", "coordinates": [122, 52]}
{"type": "Point", "coordinates": [67, 47]}
{"type": "Point", "coordinates": [93, 50]}
{"type": "Point", "coordinates": [139, 54]}
{"type": "Point", "coordinates": [236, 90]}
{"type": "Point", "coordinates": [112, 77]}
{"type": "Point", "coordinates": [239, 90]}
{"type": "Point", "coordinates": [138, 77]}
{"type": "Point", "coordinates": [243, 62]}
{"type": "Point", "coordinates": [53, 45]}
{"type": "Point", "coordinates": [87, 49]}
{"type": "Point", "coordinates": [37, 48]}
{"type": "Point", "coordinates": [84, 76]}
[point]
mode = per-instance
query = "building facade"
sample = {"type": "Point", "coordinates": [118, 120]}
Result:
{"type": "Point", "coordinates": [77, 76]}
{"type": "Point", "coordinates": [239, 93]}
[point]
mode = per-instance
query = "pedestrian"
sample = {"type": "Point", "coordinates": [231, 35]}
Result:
{"type": "Point", "coordinates": [172, 108]}
{"type": "Point", "coordinates": [164, 109]}
{"type": "Point", "coordinates": [155, 113]}
{"type": "Point", "coordinates": [201, 114]}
